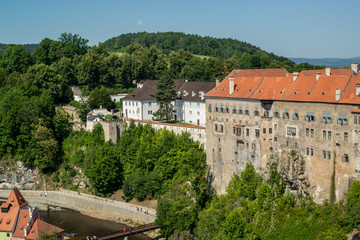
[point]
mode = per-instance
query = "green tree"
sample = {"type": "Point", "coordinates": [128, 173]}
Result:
{"type": "Point", "coordinates": [74, 44]}
{"type": "Point", "coordinates": [100, 97]}
{"type": "Point", "coordinates": [165, 94]}
{"type": "Point", "coordinates": [16, 59]}
{"type": "Point", "coordinates": [353, 205]}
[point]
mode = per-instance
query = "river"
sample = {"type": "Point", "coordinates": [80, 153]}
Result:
{"type": "Point", "coordinates": [74, 222]}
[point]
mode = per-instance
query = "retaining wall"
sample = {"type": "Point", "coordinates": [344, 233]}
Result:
{"type": "Point", "coordinates": [88, 204]}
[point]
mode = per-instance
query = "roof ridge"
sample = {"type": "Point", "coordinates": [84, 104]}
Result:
{"type": "Point", "coordinates": [257, 87]}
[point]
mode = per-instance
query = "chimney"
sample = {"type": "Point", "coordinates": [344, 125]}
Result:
{"type": "Point", "coordinates": [357, 89]}
{"type": "Point", "coordinates": [337, 94]}
{"type": "Point", "coordinates": [327, 71]}
{"type": "Point", "coordinates": [318, 76]}
{"type": "Point", "coordinates": [217, 82]}
{"type": "Point", "coordinates": [354, 68]}
{"type": "Point", "coordinates": [295, 76]}
{"type": "Point", "coordinates": [231, 85]}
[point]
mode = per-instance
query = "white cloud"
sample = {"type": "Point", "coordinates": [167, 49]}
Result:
{"type": "Point", "coordinates": [140, 23]}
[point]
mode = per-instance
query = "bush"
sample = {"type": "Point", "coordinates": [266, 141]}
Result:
{"type": "Point", "coordinates": [353, 205]}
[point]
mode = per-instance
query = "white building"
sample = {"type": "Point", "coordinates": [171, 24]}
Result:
{"type": "Point", "coordinates": [141, 103]}
{"type": "Point", "coordinates": [189, 106]}
{"type": "Point", "coordinates": [190, 102]}
{"type": "Point", "coordinates": [117, 97]}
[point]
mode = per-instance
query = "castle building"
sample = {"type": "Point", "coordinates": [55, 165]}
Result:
{"type": "Point", "coordinates": [309, 122]}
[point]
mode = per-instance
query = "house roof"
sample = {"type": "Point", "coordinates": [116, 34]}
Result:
{"type": "Point", "coordinates": [149, 89]}
{"type": "Point", "coordinates": [194, 91]}
{"type": "Point", "coordinates": [16, 198]}
{"type": "Point", "coordinates": [40, 227]}
{"type": "Point", "coordinates": [309, 86]}
{"type": "Point", "coordinates": [22, 221]}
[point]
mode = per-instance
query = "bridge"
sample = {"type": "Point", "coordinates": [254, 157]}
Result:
{"type": "Point", "coordinates": [128, 232]}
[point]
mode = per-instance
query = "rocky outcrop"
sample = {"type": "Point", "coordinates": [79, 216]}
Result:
{"type": "Point", "coordinates": [291, 167]}
{"type": "Point", "coordinates": [19, 176]}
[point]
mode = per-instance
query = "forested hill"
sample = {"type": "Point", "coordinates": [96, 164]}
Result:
{"type": "Point", "coordinates": [28, 47]}
{"type": "Point", "coordinates": [173, 41]}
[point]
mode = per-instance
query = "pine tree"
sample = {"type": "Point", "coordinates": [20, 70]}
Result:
{"type": "Point", "coordinates": [165, 94]}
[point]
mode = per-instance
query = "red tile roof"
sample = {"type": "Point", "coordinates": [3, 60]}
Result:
{"type": "Point", "coordinates": [22, 221]}
{"type": "Point", "coordinates": [40, 227]}
{"type": "Point", "coordinates": [277, 84]}
{"type": "Point", "coordinates": [16, 198]}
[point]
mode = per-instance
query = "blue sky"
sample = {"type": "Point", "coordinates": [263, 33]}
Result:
{"type": "Point", "coordinates": [305, 28]}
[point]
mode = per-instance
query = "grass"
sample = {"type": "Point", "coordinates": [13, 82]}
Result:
{"type": "Point", "coordinates": [180, 123]}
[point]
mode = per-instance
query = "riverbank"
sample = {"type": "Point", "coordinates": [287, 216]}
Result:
{"type": "Point", "coordinates": [90, 205]}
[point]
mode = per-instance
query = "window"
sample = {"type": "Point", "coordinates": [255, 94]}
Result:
{"type": "Point", "coordinates": [150, 104]}
{"type": "Point", "coordinates": [307, 133]}
{"type": "Point", "coordinates": [270, 130]}
{"type": "Point", "coordinates": [324, 134]}
{"type": "Point", "coordinates": [266, 114]}
{"type": "Point", "coordinates": [247, 132]}
{"type": "Point", "coordinates": [342, 119]}
{"type": "Point", "coordinates": [326, 118]}
{"type": "Point", "coordinates": [150, 112]}
{"type": "Point", "coordinates": [253, 146]}
{"type": "Point", "coordinates": [324, 154]}
{"type": "Point", "coordinates": [346, 158]}
{"type": "Point", "coordinates": [312, 133]}
{"type": "Point", "coordinates": [329, 135]}
{"type": "Point", "coordinates": [209, 108]}
{"type": "Point", "coordinates": [275, 126]}
{"type": "Point", "coordinates": [276, 113]}
{"type": "Point", "coordinates": [311, 151]}
{"type": "Point", "coordinates": [190, 112]}
{"type": "Point", "coordinates": [308, 151]}
{"type": "Point", "coordinates": [216, 108]}
{"type": "Point", "coordinates": [291, 131]}
{"type": "Point", "coordinates": [256, 112]}
{"type": "Point", "coordinates": [346, 136]}
{"type": "Point", "coordinates": [237, 131]}
{"type": "Point", "coordinates": [328, 155]}
{"type": "Point", "coordinates": [227, 109]}
{"type": "Point", "coordinates": [286, 114]}
{"type": "Point", "coordinates": [275, 139]}
{"type": "Point", "coordinates": [257, 133]}
{"type": "Point", "coordinates": [264, 130]}
{"type": "Point", "coordinates": [240, 110]}
{"type": "Point", "coordinates": [310, 117]}
{"type": "Point", "coordinates": [295, 115]}
{"type": "Point", "coordinates": [221, 108]}
{"type": "Point", "coordinates": [219, 128]}
{"type": "Point", "coordinates": [247, 111]}
{"type": "Point", "coordinates": [234, 110]}
{"type": "Point", "coordinates": [198, 113]}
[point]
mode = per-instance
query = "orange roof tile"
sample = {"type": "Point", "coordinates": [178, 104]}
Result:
{"type": "Point", "coordinates": [16, 198]}
{"type": "Point", "coordinates": [8, 217]}
{"type": "Point", "coordinates": [22, 221]}
{"type": "Point", "coordinates": [270, 84]}
{"type": "Point", "coordinates": [355, 111]}
{"type": "Point", "coordinates": [40, 227]}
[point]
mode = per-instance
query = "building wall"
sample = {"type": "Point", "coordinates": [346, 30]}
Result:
{"type": "Point", "coordinates": [132, 109]}
{"type": "Point", "coordinates": [4, 235]}
{"type": "Point", "coordinates": [265, 136]}
{"type": "Point", "coordinates": [194, 112]}
{"type": "Point", "coordinates": [149, 108]}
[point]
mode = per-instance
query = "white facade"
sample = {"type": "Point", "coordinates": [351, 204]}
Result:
{"type": "Point", "coordinates": [117, 97]}
{"type": "Point", "coordinates": [194, 112]}
{"type": "Point", "coordinates": [140, 110]}
{"type": "Point", "coordinates": [90, 122]}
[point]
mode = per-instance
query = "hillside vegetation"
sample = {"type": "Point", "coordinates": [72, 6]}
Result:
{"type": "Point", "coordinates": [195, 44]}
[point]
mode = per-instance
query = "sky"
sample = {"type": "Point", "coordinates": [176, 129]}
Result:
{"type": "Point", "coordinates": [305, 28]}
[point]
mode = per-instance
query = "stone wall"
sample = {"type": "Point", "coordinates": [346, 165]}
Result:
{"type": "Point", "coordinates": [88, 204]}
{"type": "Point", "coordinates": [321, 147]}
